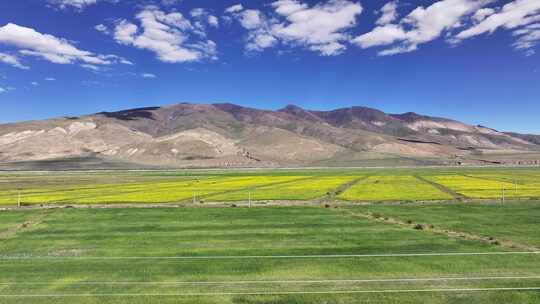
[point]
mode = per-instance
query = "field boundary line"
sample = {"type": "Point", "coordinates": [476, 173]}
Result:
{"type": "Point", "coordinates": [28, 223]}
{"type": "Point", "coordinates": [454, 194]}
{"type": "Point", "coordinates": [262, 293]}
{"type": "Point", "coordinates": [491, 179]}
{"type": "Point", "coordinates": [225, 257]}
{"type": "Point", "coordinates": [444, 231]}
{"type": "Point", "coordinates": [237, 190]}
{"type": "Point", "coordinates": [289, 281]}
{"type": "Point", "coordinates": [335, 193]}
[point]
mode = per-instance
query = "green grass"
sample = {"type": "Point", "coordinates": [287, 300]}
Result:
{"type": "Point", "coordinates": [69, 238]}
{"type": "Point", "coordinates": [11, 219]}
{"type": "Point", "coordinates": [512, 221]}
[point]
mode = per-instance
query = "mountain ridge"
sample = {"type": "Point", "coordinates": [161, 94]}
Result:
{"type": "Point", "coordinates": [228, 135]}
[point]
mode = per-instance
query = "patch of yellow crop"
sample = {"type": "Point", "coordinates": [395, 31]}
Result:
{"type": "Point", "coordinates": [298, 190]}
{"type": "Point", "coordinates": [489, 185]}
{"type": "Point", "coordinates": [145, 192]}
{"type": "Point", "coordinates": [393, 188]}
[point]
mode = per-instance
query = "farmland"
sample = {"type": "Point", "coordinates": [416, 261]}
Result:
{"type": "Point", "coordinates": [305, 189]}
{"type": "Point", "coordinates": [394, 188]}
{"type": "Point", "coordinates": [368, 185]}
{"type": "Point", "coordinates": [479, 186]}
{"type": "Point", "coordinates": [512, 221]}
{"type": "Point", "coordinates": [251, 255]}
{"type": "Point", "coordinates": [417, 236]}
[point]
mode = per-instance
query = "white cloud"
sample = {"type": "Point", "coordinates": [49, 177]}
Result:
{"type": "Point", "coordinates": [148, 75]}
{"type": "Point", "coordinates": [13, 61]}
{"type": "Point", "coordinates": [510, 16]}
{"type": "Point", "coordinates": [252, 19]}
{"type": "Point", "coordinates": [53, 49]}
{"type": "Point", "coordinates": [170, 2]}
{"type": "Point", "coordinates": [117, 59]}
{"type": "Point", "coordinates": [381, 35]}
{"type": "Point", "coordinates": [50, 79]}
{"type": "Point", "coordinates": [170, 36]}
{"type": "Point", "coordinates": [528, 37]}
{"type": "Point", "coordinates": [260, 41]}
{"type": "Point", "coordinates": [321, 28]}
{"type": "Point", "coordinates": [482, 14]}
{"type": "Point", "coordinates": [521, 16]}
{"type": "Point", "coordinates": [198, 12]}
{"type": "Point", "coordinates": [6, 89]}
{"type": "Point", "coordinates": [420, 26]}
{"type": "Point", "coordinates": [202, 19]}
{"type": "Point", "coordinates": [91, 67]}
{"type": "Point", "coordinates": [388, 13]}
{"type": "Point", "coordinates": [213, 21]}
{"type": "Point", "coordinates": [76, 4]}
{"type": "Point", "coordinates": [234, 9]}
{"type": "Point", "coordinates": [102, 28]}
{"type": "Point", "coordinates": [259, 28]}
{"type": "Point", "coordinates": [34, 83]}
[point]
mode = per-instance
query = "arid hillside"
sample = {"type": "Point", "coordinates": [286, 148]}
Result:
{"type": "Point", "coordinates": [227, 135]}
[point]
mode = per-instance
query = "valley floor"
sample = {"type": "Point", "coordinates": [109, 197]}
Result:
{"type": "Point", "coordinates": [324, 236]}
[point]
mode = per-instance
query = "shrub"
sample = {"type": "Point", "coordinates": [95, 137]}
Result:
{"type": "Point", "coordinates": [419, 227]}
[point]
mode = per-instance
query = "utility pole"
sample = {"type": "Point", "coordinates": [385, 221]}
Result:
{"type": "Point", "coordinates": [194, 198]}
{"type": "Point", "coordinates": [19, 198]}
{"type": "Point", "coordinates": [515, 188]}
{"type": "Point", "coordinates": [249, 197]}
{"type": "Point", "coordinates": [503, 198]}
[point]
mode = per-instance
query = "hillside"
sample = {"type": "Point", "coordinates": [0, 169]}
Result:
{"type": "Point", "coordinates": [228, 135]}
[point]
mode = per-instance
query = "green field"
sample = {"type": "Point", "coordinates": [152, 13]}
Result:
{"type": "Point", "coordinates": [367, 185]}
{"type": "Point", "coordinates": [521, 220]}
{"type": "Point", "coordinates": [239, 255]}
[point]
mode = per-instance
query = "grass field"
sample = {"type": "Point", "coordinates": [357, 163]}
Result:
{"type": "Point", "coordinates": [239, 255]}
{"type": "Point", "coordinates": [513, 221]}
{"type": "Point", "coordinates": [274, 254]}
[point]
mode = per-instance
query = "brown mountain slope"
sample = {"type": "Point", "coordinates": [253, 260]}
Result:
{"type": "Point", "coordinates": [227, 135]}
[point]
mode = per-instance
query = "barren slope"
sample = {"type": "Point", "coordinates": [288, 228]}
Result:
{"type": "Point", "coordinates": [227, 135]}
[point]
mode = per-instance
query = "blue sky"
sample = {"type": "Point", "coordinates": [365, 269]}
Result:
{"type": "Point", "coordinates": [471, 60]}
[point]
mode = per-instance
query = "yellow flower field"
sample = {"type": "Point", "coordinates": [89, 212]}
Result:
{"type": "Point", "coordinates": [299, 190]}
{"type": "Point", "coordinates": [142, 192]}
{"type": "Point", "coordinates": [488, 185]}
{"type": "Point", "coordinates": [393, 188]}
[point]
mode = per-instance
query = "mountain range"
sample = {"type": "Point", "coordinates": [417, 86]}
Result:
{"type": "Point", "coordinates": [227, 135]}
